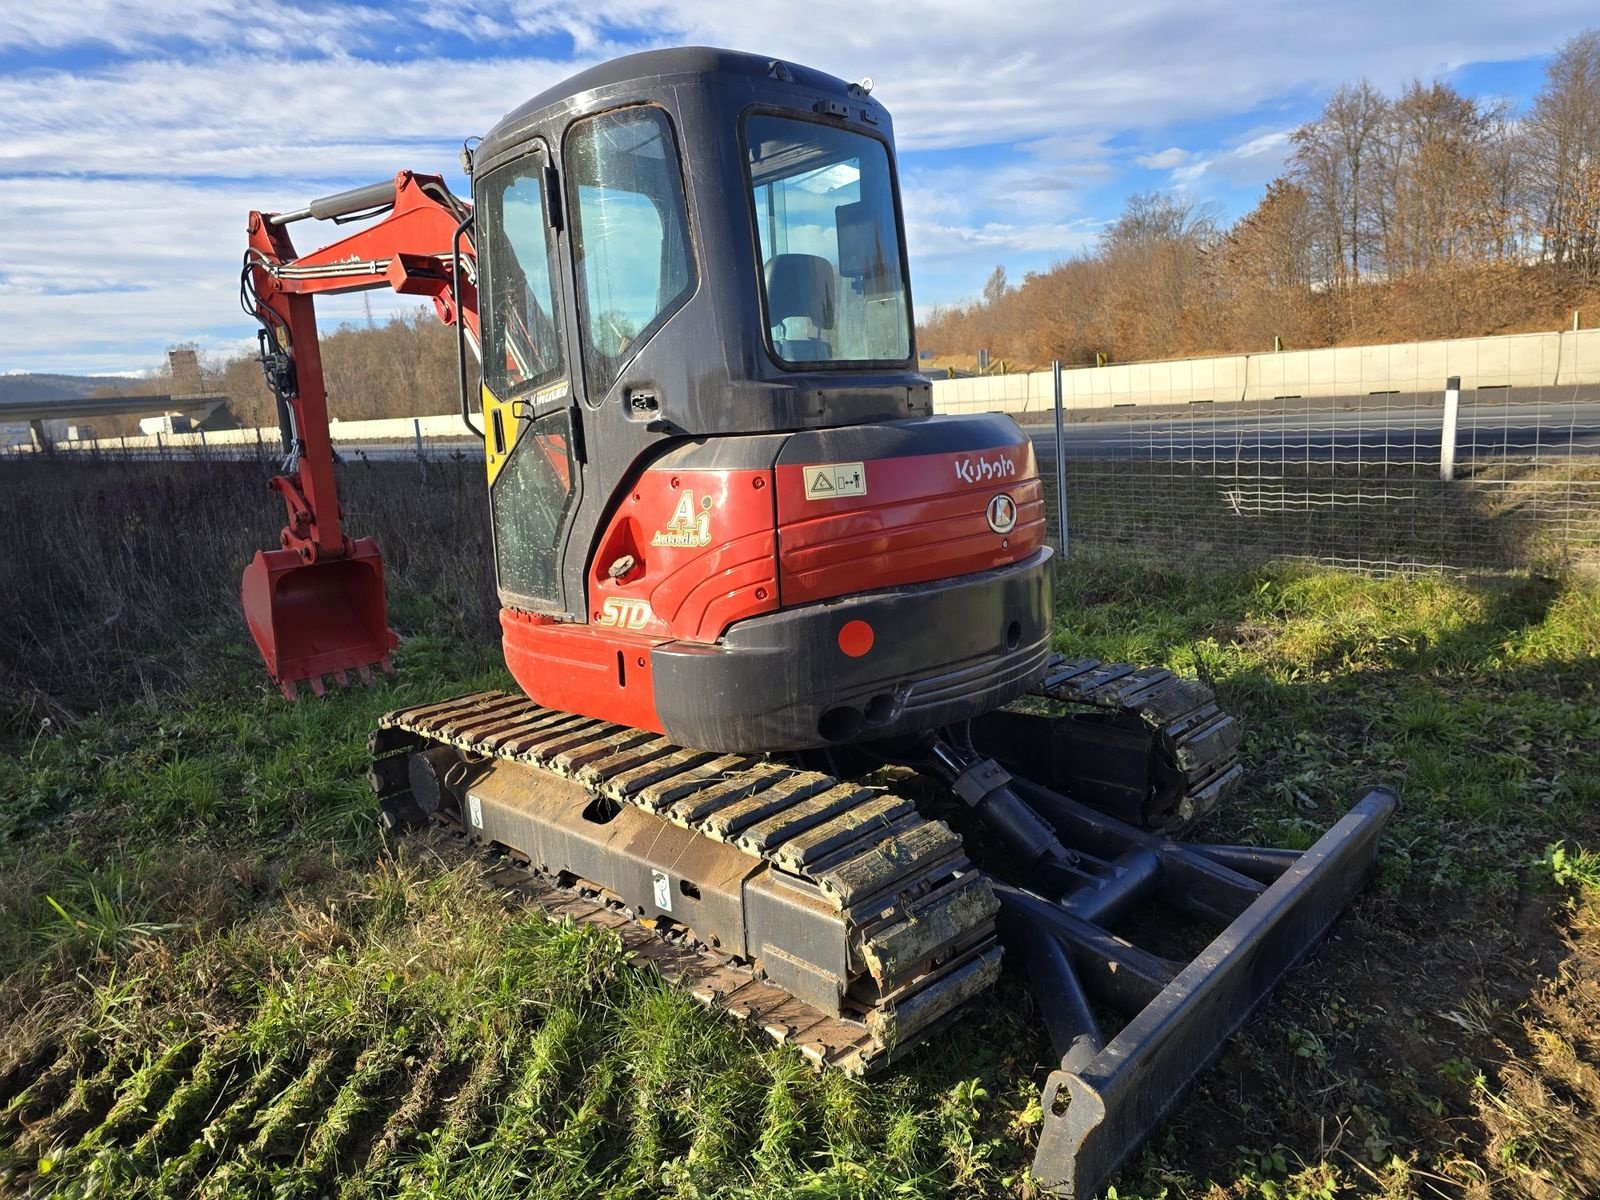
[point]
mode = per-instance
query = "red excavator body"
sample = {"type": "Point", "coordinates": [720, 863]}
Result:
{"type": "Point", "coordinates": [741, 566]}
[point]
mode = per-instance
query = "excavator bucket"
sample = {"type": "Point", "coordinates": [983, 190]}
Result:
{"type": "Point", "coordinates": [321, 618]}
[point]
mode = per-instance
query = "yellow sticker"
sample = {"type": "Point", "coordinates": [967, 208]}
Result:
{"type": "Point", "coordinates": [500, 426]}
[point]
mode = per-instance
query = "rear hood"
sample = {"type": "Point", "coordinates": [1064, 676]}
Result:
{"type": "Point", "coordinates": [874, 506]}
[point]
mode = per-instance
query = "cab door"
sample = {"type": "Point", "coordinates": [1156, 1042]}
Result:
{"type": "Point", "coordinates": [532, 426]}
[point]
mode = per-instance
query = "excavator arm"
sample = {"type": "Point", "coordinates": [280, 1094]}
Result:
{"type": "Point", "coordinates": [316, 606]}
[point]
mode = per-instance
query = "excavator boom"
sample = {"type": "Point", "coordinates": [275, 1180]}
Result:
{"type": "Point", "coordinates": [316, 605]}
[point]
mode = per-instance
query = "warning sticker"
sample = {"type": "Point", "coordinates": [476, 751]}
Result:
{"type": "Point", "coordinates": [834, 480]}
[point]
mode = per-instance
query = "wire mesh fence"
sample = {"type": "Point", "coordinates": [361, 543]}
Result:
{"type": "Point", "coordinates": [1350, 458]}
{"type": "Point", "coordinates": [1360, 471]}
{"type": "Point", "coordinates": [261, 446]}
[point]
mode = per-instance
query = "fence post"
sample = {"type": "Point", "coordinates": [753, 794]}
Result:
{"type": "Point", "coordinates": [1447, 440]}
{"type": "Point", "coordinates": [1061, 459]}
{"type": "Point", "coordinates": [205, 447]}
{"type": "Point", "coordinates": [422, 462]}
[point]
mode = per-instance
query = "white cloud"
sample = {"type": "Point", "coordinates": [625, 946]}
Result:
{"type": "Point", "coordinates": [1164, 160]}
{"type": "Point", "coordinates": [152, 24]}
{"type": "Point", "coordinates": [1251, 161]}
{"type": "Point", "coordinates": [124, 185]}
{"type": "Point", "coordinates": [129, 268]}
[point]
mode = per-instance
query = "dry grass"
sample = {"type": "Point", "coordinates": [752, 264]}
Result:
{"type": "Point", "coordinates": [129, 572]}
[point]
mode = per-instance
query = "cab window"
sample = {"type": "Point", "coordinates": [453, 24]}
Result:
{"type": "Point", "coordinates": [831, 275]}
{"type": "Point", "coordinates": [522, 339]}
{"type": "Point", "coordinates": [630, 235]}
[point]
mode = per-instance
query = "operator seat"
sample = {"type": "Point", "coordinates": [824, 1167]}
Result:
{"type": "Point", "coordinates": [801, 285]}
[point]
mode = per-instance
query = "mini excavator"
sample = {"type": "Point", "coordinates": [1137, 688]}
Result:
{"type": "Point", "coordinates": [790, 720]}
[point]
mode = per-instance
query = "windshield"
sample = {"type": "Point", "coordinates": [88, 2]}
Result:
{"type": "Point", "coordinates": [830, 243]}
{"type": "Point", "coordinates": [522, 342]}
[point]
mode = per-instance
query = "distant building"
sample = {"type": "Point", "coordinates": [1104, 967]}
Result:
{"type": "Point", "coordinates": [166, 423]}
{"type": "Point", "coordinates": [16, 434]}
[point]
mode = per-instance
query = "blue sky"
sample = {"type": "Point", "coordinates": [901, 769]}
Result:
{"type": "Point", "coordinates": [135, 138]}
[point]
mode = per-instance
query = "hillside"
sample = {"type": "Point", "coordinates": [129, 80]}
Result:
{"type": "Point", "coordinates": [30, 386]}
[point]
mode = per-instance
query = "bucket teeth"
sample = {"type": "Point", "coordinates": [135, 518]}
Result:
{"type": "Point", "coordinates": [339, 677]}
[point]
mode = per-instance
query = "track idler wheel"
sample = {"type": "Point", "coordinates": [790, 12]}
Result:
{"type": "Point", "coordinates": [429, 772]}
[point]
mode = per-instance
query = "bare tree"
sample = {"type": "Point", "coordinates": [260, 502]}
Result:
{"type": "Point", "coordinates": [1563, 146]}
{"type": "Point", "coordinates": [1267, 268]}
{"type": "Point", "coordinates": [1333, 161]}
{"type": "Point", "coordinates": [1435, 199]}
{"type": "Point", "coordinates": [1156, 253]}
{"type": "Point", "coordinates": [995, 287]}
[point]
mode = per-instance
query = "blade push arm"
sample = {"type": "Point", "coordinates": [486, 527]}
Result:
{"type": "Point", "coordinates": [412, 250]}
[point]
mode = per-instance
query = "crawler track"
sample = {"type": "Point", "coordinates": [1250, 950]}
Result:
{"type": "Point", "coordinates": [1195, 740]}
{"type": "Point", "coordinates": [919, 919]}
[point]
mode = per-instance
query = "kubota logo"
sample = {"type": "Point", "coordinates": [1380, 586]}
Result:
{"type": "Point", "coordinates": [625, 613]}
{"type": "Point", "coordinates": [981, 470]}
{"type": "Point", "coordinates": [1001, 513]}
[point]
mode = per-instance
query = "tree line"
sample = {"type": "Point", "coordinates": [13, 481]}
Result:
{"type": "Point", "coordinates": [400, 367]}
{"type": "Point", "coordinates": [1422, 214]}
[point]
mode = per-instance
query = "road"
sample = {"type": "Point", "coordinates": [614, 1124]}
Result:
{"type": "Point", "coordinates": [1323, 431]}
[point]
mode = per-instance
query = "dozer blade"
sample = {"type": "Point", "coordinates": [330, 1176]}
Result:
{"type": "Point", "coordinates": [1106, 1097]}
{"type": "Point", "coordinates": [316, 619]}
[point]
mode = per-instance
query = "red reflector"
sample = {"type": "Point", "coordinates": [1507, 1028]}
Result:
{"type": "Point", "coordinates": [855, 639]}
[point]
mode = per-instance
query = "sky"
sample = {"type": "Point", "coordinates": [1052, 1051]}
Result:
{"type": "Point", "coordinates": [134, 139]}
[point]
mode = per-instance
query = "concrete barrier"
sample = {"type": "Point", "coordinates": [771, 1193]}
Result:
{"type": "Point", "coordinates": [1521, 360]}
{"type": "Point", "coordinates": [1524, 360]}
{"type": "Point", "coordinates": [391, 429]}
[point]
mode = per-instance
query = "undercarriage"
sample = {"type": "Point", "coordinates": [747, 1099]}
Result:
{"type": "Point", "coordinates": [835, 915]}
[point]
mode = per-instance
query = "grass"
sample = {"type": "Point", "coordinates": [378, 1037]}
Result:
{"type": "Point", "coordinates": [1497, 515]}
{"type": "Point", "coordinates": [218, 979]}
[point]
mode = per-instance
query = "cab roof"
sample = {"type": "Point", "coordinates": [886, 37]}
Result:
{"type": "Point", "coordinates": [650, 69]}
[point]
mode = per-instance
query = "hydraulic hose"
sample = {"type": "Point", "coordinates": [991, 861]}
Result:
{"type": "Point", "coordinates": [461, 332]}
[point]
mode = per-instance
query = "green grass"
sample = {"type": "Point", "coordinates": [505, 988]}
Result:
{"type": "Point", "coordinates": [222, 981]}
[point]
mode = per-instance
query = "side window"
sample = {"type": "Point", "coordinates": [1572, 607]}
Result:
{"type": "Point", "coordinates": [529, 502]}
{"type": "Point", "coordinates": [530, 492]}
{"type": "Point", "coordinates": [522, 330]}
{"type": "Point", "coordinates": [630, 235]}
